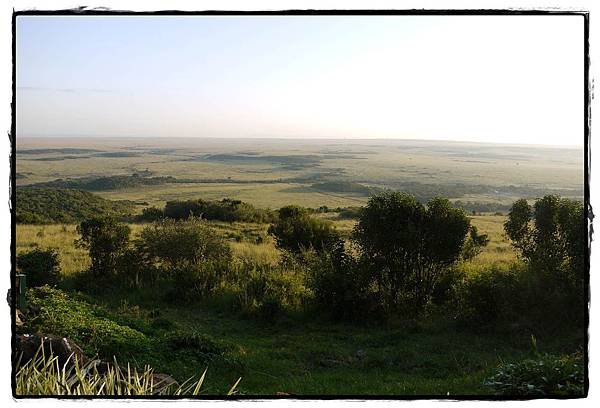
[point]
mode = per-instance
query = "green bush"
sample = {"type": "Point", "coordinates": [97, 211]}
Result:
{"type": "Point", "coordinates": [266, 291]}
{"type": "Point", "coordinates": [296, 231]}
{"type": "Point", "coordinates": [227, 210]}
{"type": "Point", "coordinates": [550, 236]}
{"type": "Point", "coordinates": [106, 240]}
{"type": "Point", "coordinates": [542, 376]}
{"type": "Point", "coordinates": [483, 298]}
{"type": "Point", "coordinates": [172, 243]}
{"type": "Point", "coordinates": [150, 214]}
{"type": "Point", "coordinates": [340, 285]}
{"type": "Point", "coordinates": [41, 266]}
{"type": "Point", "coordinates": [192, 282]}
{"type": "Point", "coordinates": [61, 314]}
{"type": "Point", "coordinates": [407, 247]}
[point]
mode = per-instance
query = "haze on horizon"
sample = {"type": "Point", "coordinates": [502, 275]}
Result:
{"type": "Point", "coordinates": [494, 79]}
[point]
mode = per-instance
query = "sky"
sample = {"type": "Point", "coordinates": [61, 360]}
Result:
{"type": "Point", "coordinates": [500, 79]}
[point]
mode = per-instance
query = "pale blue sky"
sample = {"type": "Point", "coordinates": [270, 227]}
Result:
{"type": "Point", "coordinates": [514, 79]}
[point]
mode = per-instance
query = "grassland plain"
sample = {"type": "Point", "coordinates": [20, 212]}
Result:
{"type": "Point", "coordinates": [272, 173]}
{"type": "Point", "coordinates": [242, 237]}
{"type": "Point", "coordinates": [300, 354]}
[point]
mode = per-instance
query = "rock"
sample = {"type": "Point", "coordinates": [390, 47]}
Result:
{"type": "Point", "coordinates": [162, 382]}
{"type": "Point", "coordinates": [28, 345]}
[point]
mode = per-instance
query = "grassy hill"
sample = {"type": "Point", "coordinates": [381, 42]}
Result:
{"type": "Point", "coordinates": [42, 206]}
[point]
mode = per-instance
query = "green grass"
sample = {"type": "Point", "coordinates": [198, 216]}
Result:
{"type": "Point", "coordinates": [294, 355]}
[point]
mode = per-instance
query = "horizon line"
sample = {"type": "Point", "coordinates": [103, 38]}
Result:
{"type": "Point", "coordinates": [306, 139]}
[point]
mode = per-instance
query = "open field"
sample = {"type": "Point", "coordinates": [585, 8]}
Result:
{"type": "Point", "coordinates": [273, 173]}
{"type": "Point", "coordinates": [298, 349]}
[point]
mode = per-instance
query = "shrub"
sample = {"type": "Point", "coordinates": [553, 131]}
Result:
{"type": "Point", "coordinates": [266, 291]}
{"type": "Point", "coordinates": [225, 210]}
{"type": "Point", "coordinates": [41, 266]}
{"type": "Point", "coordinates": [150, 214]}
{"type": "Point", "coordinates": [485, 297]}
{"type": "Point", "coordinates": [296, 231]}
{"type": "Point", "coordinates": [541, 376]}
{"type": "Point", "coordinates": [551, 237]}
{"type": "Point", "coordinates": [340, 285]}
{"type": "Point", "coordinates": [63, 315]}
{"type": "Point", "coordinates": [106, 240]}
{"type": "Point", "coordinates": [407, 246]}
{"type": "Point", "coordinates": [175, 243]}
{"type": "Point", "coordinates": [192, 282]}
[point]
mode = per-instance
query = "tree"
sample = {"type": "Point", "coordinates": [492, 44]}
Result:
{"type": "Point", "coordinates": [408, 246]}
{"type": "Point", "coordinates": [296, 230]}
{"type": "Point", "coordinates": [551, 237]}
{"type": "Point", "coordinates": [42, 267]}
{"type": "Point", "coordinates": [474, 243]}
{"type": "Point", "coordinates": [106, 240]}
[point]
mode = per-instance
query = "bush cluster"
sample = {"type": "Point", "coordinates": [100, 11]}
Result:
{"type": "Point", "coordinates": [540, 376]}
{"type": "Point", "coordinates": [41, 266]}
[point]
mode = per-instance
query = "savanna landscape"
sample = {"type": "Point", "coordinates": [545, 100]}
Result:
{"type": "Point", "coordinates": [299, 205]}
{"type": "Point", "coordinates": [275, 267]}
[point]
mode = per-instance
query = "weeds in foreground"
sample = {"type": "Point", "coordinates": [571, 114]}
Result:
{"type": "Point", "coordinates": [43, 375]}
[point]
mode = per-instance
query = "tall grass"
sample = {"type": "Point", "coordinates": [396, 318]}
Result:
{"type": "Point", "coordinates": [75, 259]}
{"type": "Point", "coordinates": [45, 376]}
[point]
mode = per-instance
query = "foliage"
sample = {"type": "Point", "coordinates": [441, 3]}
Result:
{"type": "Point", "coordinates": [340, 285]}
{"type": "Point", "coordinates": [175, 243]}
{"type": "Point", "coordinates": [44, 206]}
{"type": "Point", "coordinates": [484, 298]}
{"type": "Point", "coordinates": [150, 214]}
{"type": "Point", "coordinates": [62, 314]}
{"type": "Point", "coordinates": [542, 376]}
{"type": "Point", "coordinates": [192, 282]}
{"type": "Point", "coordinates": [225, 210]}
{"type": "Point", "coordinates": [42, 267]}
{"type": "Point", "coordinates": [407, 246]}
{"type": "Point", "coordinates": [106, 240]}
{"type": "Point", "coordinates": [474, 243]}
{"type": "Point", "coordinates": [265, 291]}
{"type": "Point", "coordinates": [105, 183]}
{"type": "Point", "coordinates": [296, 230]}
{"type": "Point", "coordinates": [550, 236]}
{"type": "Point", "coordinates": [345, 187]}
{"type": "Point", "coordinates": [44, 375]}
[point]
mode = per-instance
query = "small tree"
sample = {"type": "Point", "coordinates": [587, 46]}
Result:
{"type": "Point", "coordinates": [408, 246]}
{"type": "Point", "coordinates": [106, 240]}
{"type": "Point", "coordinates": [551, 237]}
{"type": "Point", "coordinates": [474, 243]}
{"type": "Point", "coordinates": [191, 253]}
{"type": "Point", "coordinates": [174, 243]}
{"type": "Point", "coordinates": [296, 230]}
{"type": "Point", "coordinates": [41, 266]}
